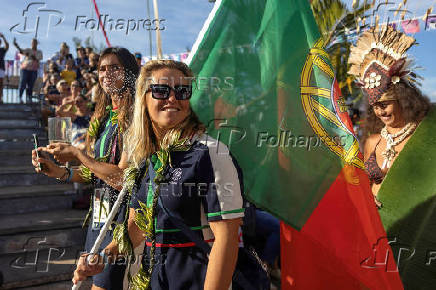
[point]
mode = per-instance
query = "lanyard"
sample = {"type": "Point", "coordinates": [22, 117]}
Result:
{"type": "Point", "coordinates": [103, 139]}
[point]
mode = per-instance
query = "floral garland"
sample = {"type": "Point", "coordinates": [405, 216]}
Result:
{"type": "Point", "coordinates": [94, 126]}
{"type": "Point", "coordinates": [93, 130]}
{"type": "Point", "coordinates": [120, 234]}
{"type": "Point", "coordinates": [84, 171]}
{"type": "Point", "coordinates": [145, 215]}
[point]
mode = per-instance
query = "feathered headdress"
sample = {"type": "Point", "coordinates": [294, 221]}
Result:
{"type": "Point", "coordinates": [378, 60]}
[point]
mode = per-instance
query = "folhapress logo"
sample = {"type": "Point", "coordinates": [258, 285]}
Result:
{"type": "Point", "coordinates": [37, 20]}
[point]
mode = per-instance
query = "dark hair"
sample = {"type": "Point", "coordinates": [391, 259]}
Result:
{"type": "Point", "coordinates": [414, 107]}
{"type": "Point", "coordinates": [55, 67]}
{"type": "Point", "coordinates": [128, 61]}
{"type": "Point", "coordinates": [131, 71]}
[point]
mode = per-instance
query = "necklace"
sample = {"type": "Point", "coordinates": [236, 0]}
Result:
{"type": "Point", "coordinates": [390, 153]}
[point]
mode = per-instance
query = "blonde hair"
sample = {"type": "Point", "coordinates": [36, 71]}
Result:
{"type": "Point", "coordinates": [140, 138]}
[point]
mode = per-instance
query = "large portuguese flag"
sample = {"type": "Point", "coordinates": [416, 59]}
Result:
{"type": "Point", "coordinates": [266, 88]}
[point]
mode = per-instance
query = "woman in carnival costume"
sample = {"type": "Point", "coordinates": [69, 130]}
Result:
{"type": "Point", "coordinates": [399, 150]}
{"type": "Point", "coordinates": [104, 161]}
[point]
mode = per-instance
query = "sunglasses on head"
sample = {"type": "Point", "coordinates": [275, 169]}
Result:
{"type": "Point", "coordinates": [162, 92]}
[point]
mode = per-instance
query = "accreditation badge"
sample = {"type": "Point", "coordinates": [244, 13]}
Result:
{"type": "Point", "coordinates": [100, 208]}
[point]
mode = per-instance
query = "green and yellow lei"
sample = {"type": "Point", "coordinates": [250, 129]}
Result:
{"type": "Point", "coordinates": [146, 214]}
{"type": "Point", "coordinates": [84, 171]}
{"type": "Point", "coordinates": [93, 130]}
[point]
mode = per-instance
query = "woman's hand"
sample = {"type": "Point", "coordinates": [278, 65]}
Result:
{"type": "Point", "coordinates": [86, 268]}
{"type": "Point", "coordinates": [49, 168]}
{"type": "Point", "coordinates": [62, 152]}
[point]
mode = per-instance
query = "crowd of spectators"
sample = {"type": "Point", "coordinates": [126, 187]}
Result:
{"type": "Point", "coordinates": [68, 88]}
{"type": "Point", "coordinates": [68, 83]}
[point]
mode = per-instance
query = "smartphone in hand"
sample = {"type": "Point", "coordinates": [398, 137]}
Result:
{"type": "Point", "coordinates": [36, 145]}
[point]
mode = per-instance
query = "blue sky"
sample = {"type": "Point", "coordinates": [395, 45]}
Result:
{"type": "Point", "coordinates": [183, 21]}
{"type": "Point", "coordinates": [424, 52]}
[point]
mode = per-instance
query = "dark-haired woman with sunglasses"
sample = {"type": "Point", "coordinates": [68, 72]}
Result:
{"type": "Point", "coordinates": [104, 161]}
{"type": "Point", "coordinates": [184, 178]}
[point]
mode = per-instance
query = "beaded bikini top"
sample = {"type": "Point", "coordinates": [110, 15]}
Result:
{"type": "Point", "coordinates": [376, 175]}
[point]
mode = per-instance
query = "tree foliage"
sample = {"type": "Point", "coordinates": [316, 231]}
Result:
{"type": "Point", "coordinates": [88, 42]}
{"type": "Point", "coordinates": [336, 23]}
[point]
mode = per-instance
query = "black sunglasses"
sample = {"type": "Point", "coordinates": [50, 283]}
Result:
{"type": "Point", "coordinates": [162, 92]}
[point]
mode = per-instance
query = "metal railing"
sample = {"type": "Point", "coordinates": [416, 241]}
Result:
{"type": "Point", "coordinates": [11, 83]}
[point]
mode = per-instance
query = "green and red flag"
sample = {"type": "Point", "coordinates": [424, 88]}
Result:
{"type": "Point", "coordinates": [408, 195]}
{"type": "Point", "coordinates": [266, 88]}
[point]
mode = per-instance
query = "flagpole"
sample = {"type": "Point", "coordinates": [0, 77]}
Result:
{"type": "Point", "coordinates": [97, 12]}
{"type": "Point", "coordinates": [103, 231]}
{"type": "Point", "coordinates": [158, 41]}
{"type": "Point", "coordinates": [150, 38]}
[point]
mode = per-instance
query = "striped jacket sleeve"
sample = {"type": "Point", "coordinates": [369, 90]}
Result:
{"type": "Point", "coordinates": [220, 184]}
